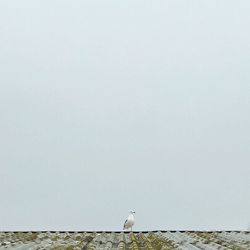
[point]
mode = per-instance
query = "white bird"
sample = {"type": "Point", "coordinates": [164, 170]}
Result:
{"type": "Point", "coordinates": [130, 221]}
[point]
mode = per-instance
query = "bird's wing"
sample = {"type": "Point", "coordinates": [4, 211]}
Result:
{"type": "Point", "coordinates": [125, 223]}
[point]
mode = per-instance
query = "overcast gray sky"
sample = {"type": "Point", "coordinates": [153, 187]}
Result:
{"type": "Point", "coordinates": [108, 106]}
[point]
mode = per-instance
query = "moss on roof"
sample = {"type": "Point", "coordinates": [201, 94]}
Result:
{"type": "Point", "coordinates": [157, 240]}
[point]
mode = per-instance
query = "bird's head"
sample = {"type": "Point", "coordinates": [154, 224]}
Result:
{"type": "Point", "coordinates": [132, 212]}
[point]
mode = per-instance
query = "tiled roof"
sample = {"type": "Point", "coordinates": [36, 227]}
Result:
{"type": "Point", "coordinates": [158, 240]}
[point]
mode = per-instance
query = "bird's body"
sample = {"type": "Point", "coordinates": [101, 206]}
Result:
{"type": "Point", "coordinates": [130, 221]}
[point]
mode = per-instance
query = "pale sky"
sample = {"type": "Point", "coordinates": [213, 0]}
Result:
{"type": "Point", "coordinates": [108, 106]}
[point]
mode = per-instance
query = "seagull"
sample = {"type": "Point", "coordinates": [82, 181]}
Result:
{"type": "Point", "coordinates": [130, 221]}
